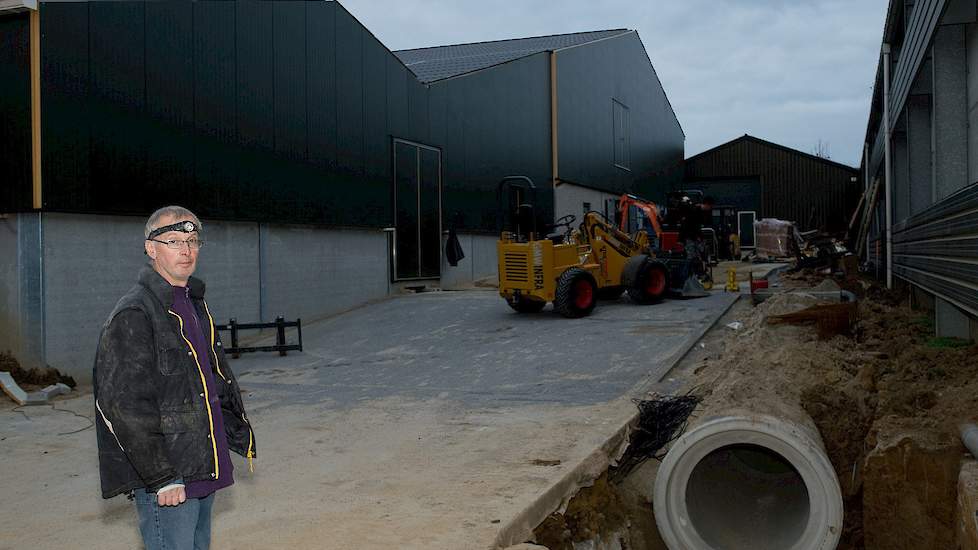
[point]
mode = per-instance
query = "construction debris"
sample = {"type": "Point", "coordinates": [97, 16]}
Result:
{"type": "Point", "coordinates": [21, 397]}
{"type": "Point", "coordinates": [829, 319]}
{"type": "Point", "coordinates": [31, 386]}
{"type": "Point", "coordinates": [781, 240]}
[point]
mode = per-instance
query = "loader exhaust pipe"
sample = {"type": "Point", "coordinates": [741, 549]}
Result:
{"type": "Point", "coordinates": [746, 481]}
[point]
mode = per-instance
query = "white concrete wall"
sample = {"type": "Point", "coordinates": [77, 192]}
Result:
{"type": "Point", "coordinates": [311, 273]}
{"type": "Point", "coordinates": [570, 199]}
{"type": "Point", "coordinates": [228, 264]}
{"type": "Point", "coordinates": [89, 263]}
{"type": "Point", "coordinates": [480, 262]}
{"type": "Point", "coordinates": [253, 272]}
{"type": "Point", "coordinates": [9, 287]}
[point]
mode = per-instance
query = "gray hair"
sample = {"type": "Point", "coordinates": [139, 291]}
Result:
{"type": "Point", "coordinates": [174, 211]}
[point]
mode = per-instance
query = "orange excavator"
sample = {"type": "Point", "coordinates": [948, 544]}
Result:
{"type": "Point", "coordinates": [694, 275]}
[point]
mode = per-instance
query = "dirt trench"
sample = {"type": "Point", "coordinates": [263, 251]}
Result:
{"type": "Point", "coordinates": [887, 398]}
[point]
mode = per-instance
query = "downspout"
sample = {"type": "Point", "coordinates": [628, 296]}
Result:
{"type": "Point", "coordinates": [888, 165]}
{"type": "Point", "coordinates": [553, 121]}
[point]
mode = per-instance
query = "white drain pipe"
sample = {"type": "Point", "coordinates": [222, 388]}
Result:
{"type": "Point", "coordinates": [746, 481]}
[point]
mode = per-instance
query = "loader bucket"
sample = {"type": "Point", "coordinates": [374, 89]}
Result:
{"type": "Point", "coordinates": [692, 288]}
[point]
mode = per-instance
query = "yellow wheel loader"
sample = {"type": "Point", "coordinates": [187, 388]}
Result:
{"type": "Point", "coordinates": [571, 267]}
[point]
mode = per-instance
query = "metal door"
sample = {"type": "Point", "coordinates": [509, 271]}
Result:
{"type": "Point", "coordinates": [416, 249]}
{"type": "Point", "coordinates": [745, 228]}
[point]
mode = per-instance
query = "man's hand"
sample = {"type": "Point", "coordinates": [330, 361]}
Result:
{"type": "Point", "coordinates": [172, 497]}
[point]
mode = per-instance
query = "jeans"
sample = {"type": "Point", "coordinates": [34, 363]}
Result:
{"type": "Point", "coordinates": [183, 527]}
{"type": "Point", "coordinates": [696, 253]}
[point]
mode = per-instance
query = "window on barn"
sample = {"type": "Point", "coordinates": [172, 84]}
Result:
{"type": "Point", "coordinates": [622, 141]}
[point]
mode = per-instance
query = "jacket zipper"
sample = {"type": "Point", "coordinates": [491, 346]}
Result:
{"type": "Point", "coordinates": [217, 365]}
{"type": "Point", "coordinates": [250, 454]}
{"type": "Point", "coordinates": [207, 400]}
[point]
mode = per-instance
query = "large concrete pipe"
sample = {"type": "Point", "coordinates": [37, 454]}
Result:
{"type": "Point", "coordinates": [740, 480]}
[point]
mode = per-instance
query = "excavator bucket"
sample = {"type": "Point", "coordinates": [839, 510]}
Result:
{"type": "Point", "coordinates": [684, 282]}
{"type": "Point", "coordinates": [692, 288]}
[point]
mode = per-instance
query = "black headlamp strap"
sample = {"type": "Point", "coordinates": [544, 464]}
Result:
{"type": "Point", "coordinates": [183, 227]}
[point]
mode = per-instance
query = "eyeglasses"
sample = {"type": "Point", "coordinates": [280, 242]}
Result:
{"type": "Point", "coordinates": [176, 244]}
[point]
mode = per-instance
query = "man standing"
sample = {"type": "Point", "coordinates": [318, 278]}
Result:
{"type": "Point", "coordinates": [692, 216]}
{"type": "Point", "coordinates": [169, 408]}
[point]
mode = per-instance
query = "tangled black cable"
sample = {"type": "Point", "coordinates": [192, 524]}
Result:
{"type": "Point", "coordinates": [661, 420]}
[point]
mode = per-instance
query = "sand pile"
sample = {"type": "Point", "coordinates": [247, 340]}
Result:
{"type": "Point", "coordinates": [885, 400]}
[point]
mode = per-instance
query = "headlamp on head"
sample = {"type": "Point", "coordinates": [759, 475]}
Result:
{"type": "Point", "coordinates": [182, 227]}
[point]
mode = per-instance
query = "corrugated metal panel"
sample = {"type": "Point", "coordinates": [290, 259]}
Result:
{"type": "Point", "coordinates": [924, 17]}
{"type": "Point", "coordinates": [15, 114]}
{"type": "Point", "coordinates": [118, 93]}
{"type": "Point", "coordinates": [793, 183]}
{"type": "Point", "coordinates": [938, 249]}
{"type": "Point", "coordinates": [876, 153]}
{"type": "Point", "coordinates": [920, 30]}
{"type": "Point", "coordinates": [215, 117]}
{"type": "Point", "coordinates": [170, 102]}
{"type": "Point", "coordinates": [237, 109]}
{"type": "Point", "coordinates": [66, 107]}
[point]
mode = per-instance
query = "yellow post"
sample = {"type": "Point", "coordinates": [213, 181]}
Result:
{"type": "Point", "coordinates": [732, 280]}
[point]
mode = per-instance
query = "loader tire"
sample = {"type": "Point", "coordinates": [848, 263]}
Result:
{"type": "Point", "coordinates": [630, 271]}
{"type": "Point", "coordinates": [650, 284]}
{"type": "Point", "coordinates": [525, 305]}
{"type": "Point", "coordinates": [577, 293]}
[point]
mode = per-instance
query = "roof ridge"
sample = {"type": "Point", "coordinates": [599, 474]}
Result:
{"type": "Point", "coordinates": [776, 145]}
{"type": "Point", "coordinates": [623, 30]}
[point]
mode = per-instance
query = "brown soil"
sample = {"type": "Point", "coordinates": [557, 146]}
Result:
{"type": "Point", "coordinates": [35, 378]}
{"type": "Point", "coordinates": [886, 403]}
{"type": "Point", "coordinates": [594, 512]}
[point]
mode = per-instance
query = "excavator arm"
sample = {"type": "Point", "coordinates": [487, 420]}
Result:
{"type": "Point", "coordinates": [648, 207]}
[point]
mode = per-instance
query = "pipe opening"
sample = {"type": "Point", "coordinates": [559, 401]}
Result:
{"type": "Point", "coordinates": [747, 496]}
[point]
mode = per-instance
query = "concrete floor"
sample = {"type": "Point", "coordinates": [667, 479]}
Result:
{"type": "Point", "coordinates": [437, 420]}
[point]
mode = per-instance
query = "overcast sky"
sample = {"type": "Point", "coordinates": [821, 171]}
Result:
{"type": "Point", "coordinates": [790, 71]}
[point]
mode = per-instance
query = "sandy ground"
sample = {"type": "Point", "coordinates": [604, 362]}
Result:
{"type": "Point", "coordinates": [375, 447]}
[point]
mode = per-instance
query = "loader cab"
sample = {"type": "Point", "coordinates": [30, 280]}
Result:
{"type": "Point", "coordinates": [516, 197]}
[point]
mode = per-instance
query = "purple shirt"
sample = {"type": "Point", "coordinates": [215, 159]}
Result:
{"type": "Point", "coordinates": [199, 335]}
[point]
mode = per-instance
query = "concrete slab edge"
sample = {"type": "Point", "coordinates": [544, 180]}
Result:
{"type": "Point", "coordinates": [642, 387]}
{"type": "Point", "coordinates": [520, 528]}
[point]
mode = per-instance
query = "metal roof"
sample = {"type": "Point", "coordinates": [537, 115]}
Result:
{"type": "Point", "coordinates": [440, 62]}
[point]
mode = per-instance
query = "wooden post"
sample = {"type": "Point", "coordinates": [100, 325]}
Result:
{"type": "Point", "coordinates": [234, 337]}
{"type": "Point", "coordinates": [35, 75]}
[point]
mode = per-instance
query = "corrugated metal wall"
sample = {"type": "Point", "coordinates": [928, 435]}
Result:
{"type": "Point", "coordinates": [286, 111]}
{"type": "Point", "coordinates": [589, 78]}
{"type": "Point", "coordinates": [15, 112]}
{"type": "Point", "coordinates": [793, 183]}
{"type": "Point", "coordinates": [493, 123]}
{"type": "Point", "coordinates": [237, 109]}
{"type": "Point", "coordinates": [936, 249]}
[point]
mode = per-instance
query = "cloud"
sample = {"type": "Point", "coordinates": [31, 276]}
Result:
{"type": "Point", "coordinates": [791, 71]}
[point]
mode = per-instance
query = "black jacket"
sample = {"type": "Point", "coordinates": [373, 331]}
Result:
{"type": "Point", "coordinates": [153, 420]}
